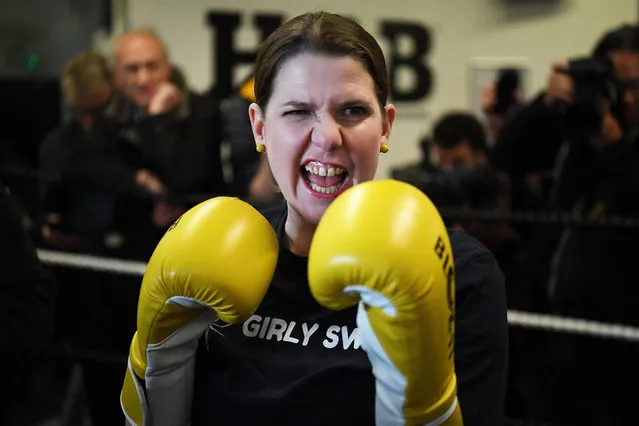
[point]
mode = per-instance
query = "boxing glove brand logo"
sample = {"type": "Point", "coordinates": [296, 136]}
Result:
{"type": "Point", "coordinates": [280, 330]}
{"type": "Point", "coordinates": [444, 254]}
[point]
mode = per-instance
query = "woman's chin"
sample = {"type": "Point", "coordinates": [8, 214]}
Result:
{"type": "Point", "coordinates": [310, 212]}
{"type": "Point", "coordinates": [313, 214]}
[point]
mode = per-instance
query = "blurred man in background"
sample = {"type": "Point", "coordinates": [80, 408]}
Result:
{"type": "Point", "coordinates": [582, 131]}
{"type": "Point", "coordinates": [80, 217]}
{"type": "Point", "coordinates": [158, 147]}
{"type": "Point", "coordinates": [26, 307]}
{"type": "Point", "coordinates": [461, 178]}
{"type": "Point", "coordinates": [77, 217]}
{"type": "Point", "coordinates": [139, 146]}
{"type": "Point", "coordinates": [501, 99]}
{"type": "Point", "coordinates": [459, 141]}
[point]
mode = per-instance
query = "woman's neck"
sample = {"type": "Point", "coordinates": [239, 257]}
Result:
{"type": "Point", "coordinates": [298, 233]}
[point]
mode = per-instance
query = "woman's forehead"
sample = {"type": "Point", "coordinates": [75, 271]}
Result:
{"type": "Point", "coordinates": [315, 74]}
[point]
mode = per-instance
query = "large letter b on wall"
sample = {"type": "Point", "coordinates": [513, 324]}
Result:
{"type": "Point", "coordinates": [415, 61]}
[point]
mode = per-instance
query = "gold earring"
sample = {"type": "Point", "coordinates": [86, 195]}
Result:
{"type": "Point", "coordinates": [384, 148]}
{"type": "Point", "coordinates": [260, 147]}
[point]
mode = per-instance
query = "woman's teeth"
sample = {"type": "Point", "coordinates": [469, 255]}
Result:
{"type": "Point", "coordinates": [323, 190]}
{"type": "Point", "coordinates": [325, 180]}
{"type": "Point", "coordinates": [322, 171]}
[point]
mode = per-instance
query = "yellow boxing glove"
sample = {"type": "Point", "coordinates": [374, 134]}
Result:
{"type": "Point", "coordinates": [383, 244]}
{"type": "Point", "coordinates": [216, 261]}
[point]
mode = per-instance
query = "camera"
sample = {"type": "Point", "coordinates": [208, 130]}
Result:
{"type": "Point", "coordinates": [593, 83]}
{"type": "Point", "coordinates": [478, 187]}
{"type": "Point", "coordinates": [508, 82]}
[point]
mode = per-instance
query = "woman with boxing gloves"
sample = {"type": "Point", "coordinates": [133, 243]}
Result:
{"type": "Point", "coordinates": [350, 303]}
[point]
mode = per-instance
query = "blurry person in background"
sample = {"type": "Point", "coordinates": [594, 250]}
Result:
{"type": "Point", "coordinates": [461, 180]}
{"type": "Point", "coordinates": [455, 173]}
{"type": "Point", "coordinates": [252, 177]}
{"type": "Point", "coordinates": [176, 131]}
{"type": "Point", "coordinates": [586, 139]}
{"type": "Point", "coordinates": [581, 131]}
{"type": "Point", "coordinates": [156, 151]}
{"type": "Point", "coordinates": [243, 160]}
{"type": "Point", "coordinates": [466, 180]}
{"type": "Point", "coordinates": [76, 216]}
{"type": "Point", "coordinates": [501, 99]}
{"type": "Point", "coordinates": [26, 306]}
{"type": "Point", "coordinates": [459, 141]}
{"type": "Point", "coordinates": [158, 147]}
{"type": "Point", "coordinates": [80, 217]}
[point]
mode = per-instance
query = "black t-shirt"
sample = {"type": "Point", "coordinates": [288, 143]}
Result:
{"type": "Point", "coordinates": [294, 362]}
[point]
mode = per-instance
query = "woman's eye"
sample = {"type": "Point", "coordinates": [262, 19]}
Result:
{"type": "Point", "coordinates": [296, 112]}
{"type": "Point", "coordinates": [354, 111]}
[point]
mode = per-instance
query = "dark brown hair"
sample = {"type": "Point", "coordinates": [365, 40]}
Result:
{"type": "Point", "coordinates": [623, 38]}
{"type": "Point", "coordinates": [455, 127]}
{"type": "Point", "coordinates": [321, 33]}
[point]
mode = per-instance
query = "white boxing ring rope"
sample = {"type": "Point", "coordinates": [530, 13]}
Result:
{"type": "Point", "coordinates": [94, 263]}
{"type": "Point", "coordinates": [515, 318]}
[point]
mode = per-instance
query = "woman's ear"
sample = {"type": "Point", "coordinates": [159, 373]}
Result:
{"type": "Point", "coordinates": [388, 123]}
{"type": "Point", "coordinates": [257, 123]}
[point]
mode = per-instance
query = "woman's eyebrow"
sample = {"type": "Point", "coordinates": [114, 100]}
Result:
{"type": "Point", "coordinates": [296, 104]}
{"type": "Point", "coordinates": [355, 102]}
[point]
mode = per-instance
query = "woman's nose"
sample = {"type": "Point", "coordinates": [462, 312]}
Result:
{"type": "Point", "coordinates": [326, 134]}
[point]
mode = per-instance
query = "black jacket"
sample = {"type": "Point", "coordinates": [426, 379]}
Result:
{"type": "Point", "coordinates": [27, 299]}
{"type": "Point", "coordinates": [573, 262]}
{"type": "Point", "coordinates": [182, 147]}
{"type": "Point", "coordinates": [86, 211]}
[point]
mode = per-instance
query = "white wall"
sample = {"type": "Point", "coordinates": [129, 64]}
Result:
{"type": "Point", "coordinates": [540, 31]}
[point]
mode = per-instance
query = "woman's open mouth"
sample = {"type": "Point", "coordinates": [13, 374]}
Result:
{"type": "Point", "coordinates": [324, 180]}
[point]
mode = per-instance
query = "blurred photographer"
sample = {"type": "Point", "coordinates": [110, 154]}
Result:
{"type": "Point", "coordinates": [458, 141]}
{"type": "Point", "coordinates": [460, 178]}
{"type": "Point", "coordinates": [582, 133]}
{"type": "Point", "coordinates": [501, 99]}
{"type": "Point", "coordinates": [587, 114]}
